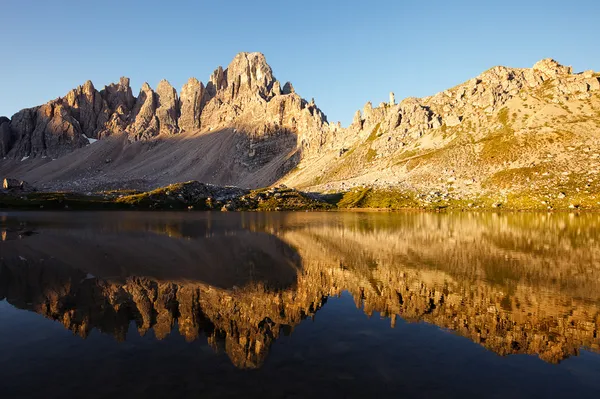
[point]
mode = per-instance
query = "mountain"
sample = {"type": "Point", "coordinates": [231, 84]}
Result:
{"type": "Point", "coordinates": [509, 133]}
{"type": "Point", "coordinates": [243, 127]}
{"type": "Point", "coordinates": [504, 134]}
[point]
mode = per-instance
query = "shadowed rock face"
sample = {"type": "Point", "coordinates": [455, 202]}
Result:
{"type": "Point", "coordinates": [513, 283]}
{"type": "Point", "coordinates": [236, 97]}
{"type": "Point", "coordinates": [240, 129]}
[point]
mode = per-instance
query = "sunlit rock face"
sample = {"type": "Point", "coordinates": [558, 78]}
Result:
{"type": "Point", "coordinates": [512, 283]}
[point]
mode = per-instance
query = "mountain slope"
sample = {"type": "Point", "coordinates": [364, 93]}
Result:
{"type": "Point", "coordinates": [506, 132]}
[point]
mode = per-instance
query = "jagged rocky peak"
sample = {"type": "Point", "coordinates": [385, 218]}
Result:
{"type": "Point", "coordinates": [552, 68]}
{"type": "Point", "coordinates": [193, 98]}
{"type": "Point", "coordinates": [88, 108]}
{"type": "Point", "coordinates": [247, 96]}
{"type": "Point", "coordinates": [357, 120]}
{"type": "Point", "coordinates": [144, 123]}
{"type": "Point", "coordinates": [240, 96]}
{"type": "Point", "coordinates": [276, 88]}
{"type": "Point", "coordinates": [250, 71]}
{"type": "Point", "coordinates": [167, 111]}
{"type": "Point", "coordinates": [119, 96]}
{"type": "Point", "coordinates": [288, 88]}
{"type": "Point", "coordinates": [247, 75]}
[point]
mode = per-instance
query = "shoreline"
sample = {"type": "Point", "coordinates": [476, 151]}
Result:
{"type": "Point", "coordinates": [116, 207]}
{"type": "Point", "coordinates": [196, 196]}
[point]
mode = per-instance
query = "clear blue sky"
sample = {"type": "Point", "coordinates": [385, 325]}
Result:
{"type": "Point", "coordinates": [342, 53]}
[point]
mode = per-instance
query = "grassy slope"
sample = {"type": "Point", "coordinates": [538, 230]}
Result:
{"type": "Point", "coordinates": [534, 153]}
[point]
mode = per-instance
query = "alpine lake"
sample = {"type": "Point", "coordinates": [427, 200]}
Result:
{"type": "Point", "coordinates": [299, 304]}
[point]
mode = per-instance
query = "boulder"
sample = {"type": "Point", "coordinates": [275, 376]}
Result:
{"type": "Point", "coordinates": [452, 120]}
{"type": "Point", "coordinates": [14, 185]}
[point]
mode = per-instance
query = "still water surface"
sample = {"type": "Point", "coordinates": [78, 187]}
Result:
{"type": "Point", "coordinates": [127, 304]}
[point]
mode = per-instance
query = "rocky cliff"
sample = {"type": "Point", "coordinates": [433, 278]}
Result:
{"type": "Point", "coordinates": [242, 117]}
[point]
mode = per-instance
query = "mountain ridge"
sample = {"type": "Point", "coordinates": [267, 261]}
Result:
{"type": "Point", "coordinates": [243, 128]}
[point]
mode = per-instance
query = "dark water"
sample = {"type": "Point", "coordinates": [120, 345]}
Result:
{"type": "Point", "coordinates": [299, 305]}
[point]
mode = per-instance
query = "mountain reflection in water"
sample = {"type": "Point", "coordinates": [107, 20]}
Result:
{"type": "Point", "coordinates": [514, 283]}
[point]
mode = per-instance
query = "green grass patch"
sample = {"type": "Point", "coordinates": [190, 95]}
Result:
{"type": "Point", "coordinates": [353, 199]}
{"type": "Point", "coordinates": [378, 199]}
{"type": "Point", "coordinates": [291, 200]}
{"type": "Point", "coordinates": [371, 155]}
{"type": "Point", "coordinates": [503, 116]}
{"type": "Point", "coordinates": [510, 178]}
{"type": "Point", "coordinates": [56, 201]}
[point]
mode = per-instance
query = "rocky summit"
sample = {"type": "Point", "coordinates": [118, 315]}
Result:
{"type": "Point", "coordinates": [522, 136]}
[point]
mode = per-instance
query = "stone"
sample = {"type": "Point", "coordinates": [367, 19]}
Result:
{"type": "Point", "coordinates": [14, 184]}
{"type": "Point", "coordinates": [452, 120]}
{"type": "Point", "coordinates": [392, 99]}
{"type": "Point", "coordinates": [9, 184]}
